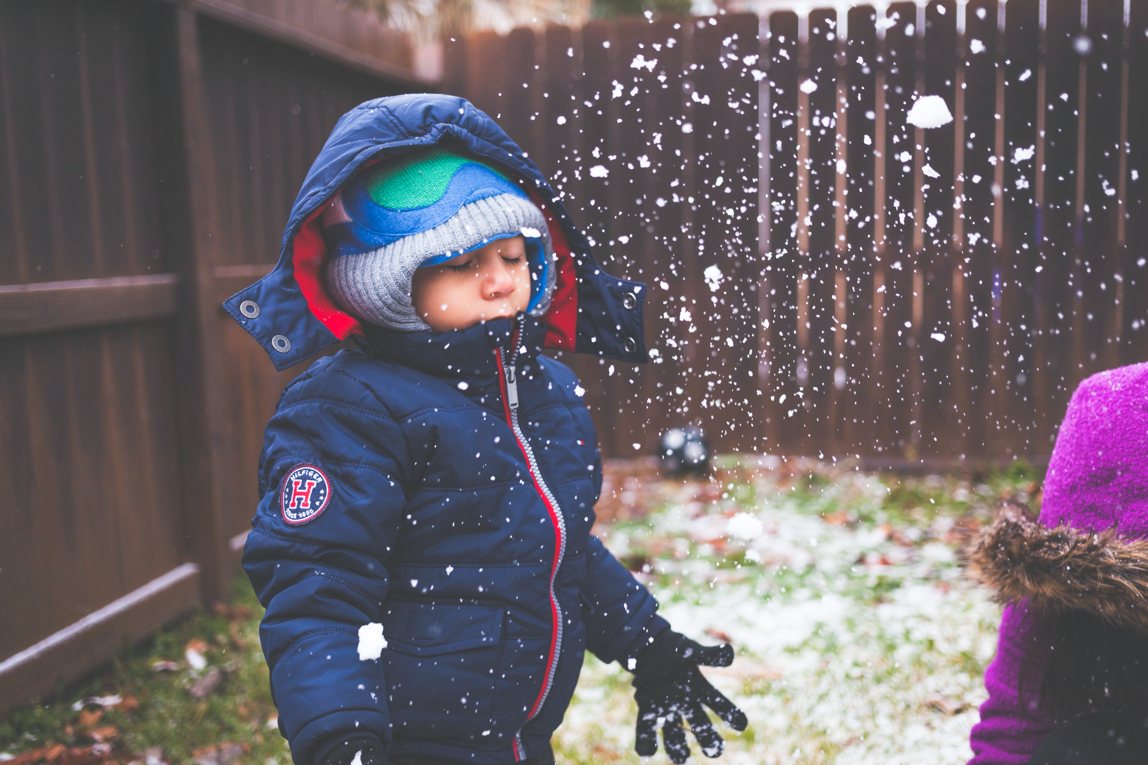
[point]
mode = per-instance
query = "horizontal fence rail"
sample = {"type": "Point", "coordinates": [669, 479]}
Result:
{"type": "Point", "coordinates": [829, 274]}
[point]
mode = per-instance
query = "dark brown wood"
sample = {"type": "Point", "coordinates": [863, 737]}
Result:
{"type": "Point", "coordinates": [192, 211]}
{"type": "Point", "coordinates": [856, 420]}
{"type": "Point", "coordinates": [56, 306]}
{"type": "Point", "coordinates": [977, 223]}
{"type": "Point", "coordinates": [900, 167]}
{"type": "Point", "coordinates": [1134, 334]}
{"type": "Point", "coordinates": [1014, 285]}
{"type": "Point", "coordinates": [1059, 221]}
{"type": "Point", "coordinates": [97, 637]}
{"type": "Point", "coordinates": [781, 254]}
{"type": "Point", "coordinates": [817, 319]}
{"type": "Point", "coordinates": [1099, 246]}
{"type": "Point", "coordinates": [299, 35]}
{"type": "Point", "coordinates": [936, 344]}
{"type": "Point", "coordinates": [728, 264]}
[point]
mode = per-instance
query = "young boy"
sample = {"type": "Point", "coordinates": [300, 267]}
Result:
{"type": "Point", "coordinates": [437, 480]}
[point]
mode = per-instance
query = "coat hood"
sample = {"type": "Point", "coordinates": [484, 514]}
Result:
{"type": "Point", "coordinates": [1062, 568]}
{"type": "Point", "coordinates": [289, 311]}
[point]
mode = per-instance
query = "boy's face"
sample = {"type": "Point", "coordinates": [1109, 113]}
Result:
{"type": "Point", "coordinates": [488, 283]}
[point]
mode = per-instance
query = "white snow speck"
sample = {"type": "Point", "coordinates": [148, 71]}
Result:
{"type": "Point", "coordinates": [808, 86]}
{"type": "Point", "coordinates": [371, 641]}
{"type": "Point", "coordinates": [929, 112]}
{"type": "Point", "coordinates": [560, 119]}
{"type": "Point", "coordinates": [530, 232]}
{"type": "Point", "coordinates": [976, 46]}
{"type": "Point", "coordinates": [713, 277]}
{"type": "Point", "coordinates": [463, 385]}
{"type": "Point", "coordinates": [358, 760]}
{"type": "Point", "coordinates": [579, 391]}
{"type": "Point", "coordinates": [599, 171]}
{"type": "Point", "coordinates": [938, 336]}
{"type": "Point", "coordinates": [929, 171]}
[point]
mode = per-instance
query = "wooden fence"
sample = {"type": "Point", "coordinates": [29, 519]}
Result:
{"type": "Point", "coordinates": [149, 153]}
{"type": "Point", "coordinates": [827, 278]}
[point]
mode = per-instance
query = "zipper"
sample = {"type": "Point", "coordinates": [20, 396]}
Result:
{"type": "Point", "coordinates": [508, 375]}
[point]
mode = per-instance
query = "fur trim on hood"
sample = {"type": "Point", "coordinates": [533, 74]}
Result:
{"type": "Point", "coordinates": [1063, 569]}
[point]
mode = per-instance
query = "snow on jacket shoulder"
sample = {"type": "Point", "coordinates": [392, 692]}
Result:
{"type": "Point", "coordinates": [397, 489]}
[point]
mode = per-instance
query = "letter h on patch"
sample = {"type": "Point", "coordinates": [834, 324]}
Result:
{"type": "Point", "coordinates": [305, 492]}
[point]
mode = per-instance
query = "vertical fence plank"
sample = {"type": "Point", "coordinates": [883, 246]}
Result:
{"type": "Point", "coordinates": [1099, 247]}
{"type": "Point", "coordinates": [1013, 279]}
{"type": "Point", "coordinates": [894, 272]}
{"type": "Point", "coordinates": [861, 64]}
{"type": "Point", "coordinates": [1134, 335]}
{"type": "Point", "coordinates": [1059, 278]}
{"type": "Point", "coordinates": [671, 216]}
{"type": "Point", "coordinates": [936, 346]}
{"type": "Point", "coordinates": [781, 259]}
{"type": "Point", "coordinates": [817, 311]}
{"type": "Point", "coordinates": [977, 222]}
{"type": "Point", "coordinates": [724, 261]}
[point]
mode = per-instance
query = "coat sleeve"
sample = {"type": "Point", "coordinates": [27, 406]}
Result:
{"type": "Point", "coordinates": [620, 613]}
{"type": "Point", "coordinates": [331, 506]}
{"type": "Point", "coordinates": [1011, 724]}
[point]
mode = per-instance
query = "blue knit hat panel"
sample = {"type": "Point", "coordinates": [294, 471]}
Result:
{"type": "Point", "coordinates": [422, 210]}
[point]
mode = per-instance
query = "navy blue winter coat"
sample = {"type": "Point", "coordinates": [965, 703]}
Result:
{"type": "Point", "coordinates": [439, 484]}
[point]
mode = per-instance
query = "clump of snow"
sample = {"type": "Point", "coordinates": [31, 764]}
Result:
{"type": "Point", "coordinates": [929, 112]}
{"type": "Point", "coordinates": [599, 171]}
{"type": "Point", "coordinates": [641, 62]}
{"type": "Point", "coordinates": [530, 232]}
{"type": "Point", "coordinates": [1023, 154]}
{"type": "Point", "coordinates": [713, 277]}
{"type": "Point", "coordinates": [371, 641]}
{"type": "Point", "coordinates": [808, 86]}
{"type": "Point", "coordinates": [745, 526]}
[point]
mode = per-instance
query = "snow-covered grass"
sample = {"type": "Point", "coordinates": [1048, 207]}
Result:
{"type": "Point", "coordinates": [858, 639]}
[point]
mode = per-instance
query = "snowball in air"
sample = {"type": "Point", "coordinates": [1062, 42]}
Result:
{"type": "Point", "coordinates": [745, 526]}
{"type": "Point", "coordinates": [371, 641]}
{"type": "Point", "coordinates": [929, 112]}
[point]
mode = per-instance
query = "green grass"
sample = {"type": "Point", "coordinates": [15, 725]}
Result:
{"type": "Point", "coordinates": [853, 561]}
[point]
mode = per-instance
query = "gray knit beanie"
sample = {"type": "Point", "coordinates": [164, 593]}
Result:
{"type": "Point", "coordinates": [420, 210]}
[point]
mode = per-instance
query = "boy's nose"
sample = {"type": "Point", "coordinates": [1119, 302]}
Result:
{"type": "Point", "coordinates": [498, 281]}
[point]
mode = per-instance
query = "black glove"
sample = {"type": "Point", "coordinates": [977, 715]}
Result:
{"type": "Point", "coordinates": [671, 692]}
{"type": "Point", "coordinates": [342, 751]}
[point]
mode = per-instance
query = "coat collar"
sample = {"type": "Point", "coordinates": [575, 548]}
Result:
{"type": "Point", "coordinates": [464, 354]}
{"type": "Point", "coordinates": [289, 312]}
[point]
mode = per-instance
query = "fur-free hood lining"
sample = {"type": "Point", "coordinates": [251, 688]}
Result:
{"type": "Point", "coordinates": [1063, 569]}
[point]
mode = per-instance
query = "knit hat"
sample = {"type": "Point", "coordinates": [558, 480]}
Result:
{"type": "Point", "coordinates": [424, 209]}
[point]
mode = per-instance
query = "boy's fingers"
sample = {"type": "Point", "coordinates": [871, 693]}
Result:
{"type": "Point", "coordinates": [715, 655]}
{"type": "Point", "coordinates": [704, 731]}
{"type": "Point", "coordinates": [646, 737]}
{"type": "Point", "coordinates": [726, 710]}
{"type": "Point", "coordinates": [674, 737]}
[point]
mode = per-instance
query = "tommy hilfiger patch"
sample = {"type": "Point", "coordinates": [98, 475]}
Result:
{"type": "Point", "coordinates": [305, 492]}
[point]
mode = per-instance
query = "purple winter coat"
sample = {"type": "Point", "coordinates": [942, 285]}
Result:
{"type": "Point", "coordinates": [1088, 552]}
